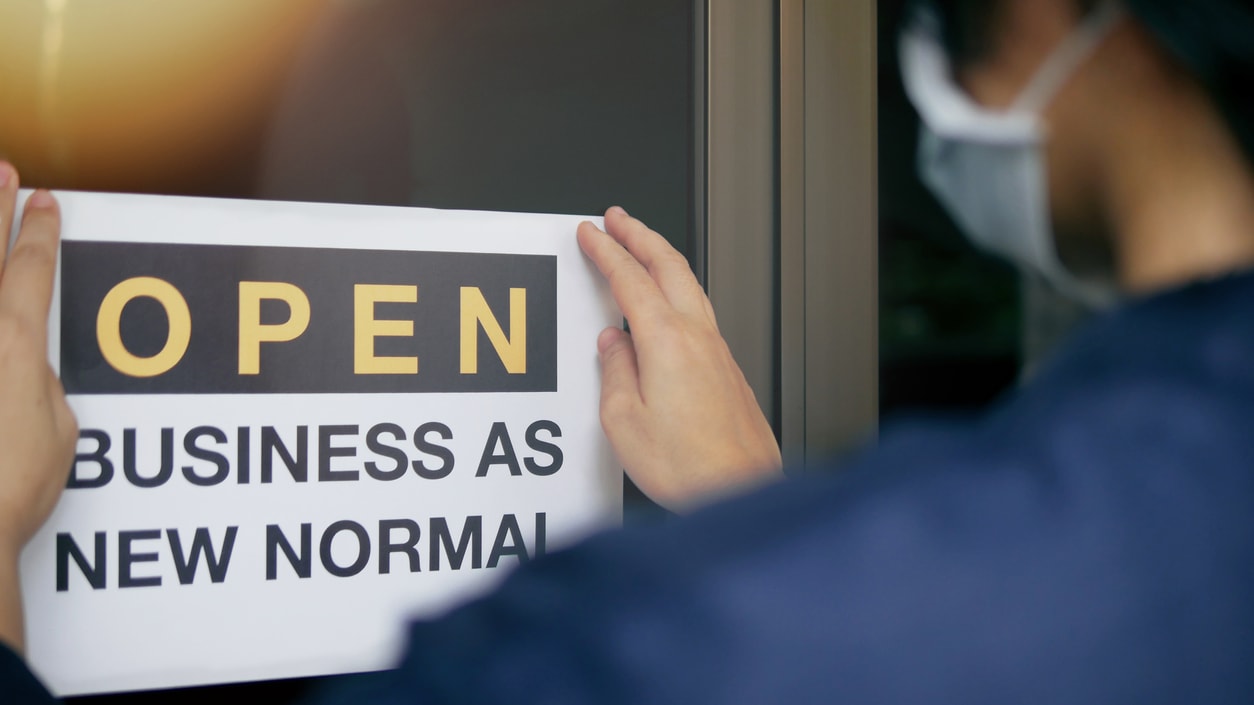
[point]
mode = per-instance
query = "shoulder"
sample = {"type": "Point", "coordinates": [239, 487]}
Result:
{"type": "Point", "coordinates": [939, 552]}
{"type": "Point", "coordinates": [1089, 540]}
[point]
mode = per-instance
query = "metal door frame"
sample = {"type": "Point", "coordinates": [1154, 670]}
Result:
{"type": "Point", "coordinates": [785, 222]}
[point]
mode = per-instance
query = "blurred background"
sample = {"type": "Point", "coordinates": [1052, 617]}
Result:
{"type": "Point", "coordinates": [564, 106]}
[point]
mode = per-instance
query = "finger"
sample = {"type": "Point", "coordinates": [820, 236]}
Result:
{"type": "Point", "coordinates": [620, 377]}
{"type": "Point", "coordinates": [635, 291]}
{"type": "Point", "coordinates": [664, 263]}
{"type": "Point", "coordinates": [8, 204]}
{"type": "Point", "coordinates": [26, 283]}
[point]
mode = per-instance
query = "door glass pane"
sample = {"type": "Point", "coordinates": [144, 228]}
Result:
{"type": "Point", "coordinates": [549, 105]}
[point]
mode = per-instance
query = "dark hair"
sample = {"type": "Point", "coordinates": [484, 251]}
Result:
{"type": "Point", "coordinates": [1213, 39]}
{"type": "Point", "coordinates": [966, 26]}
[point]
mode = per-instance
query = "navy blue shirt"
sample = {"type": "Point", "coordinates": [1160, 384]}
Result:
{"type": "Point", "coordinates": [1089, 540]}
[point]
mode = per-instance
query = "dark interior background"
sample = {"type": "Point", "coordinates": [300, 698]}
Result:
{"type": "Point", "coordinates": [950, 321]}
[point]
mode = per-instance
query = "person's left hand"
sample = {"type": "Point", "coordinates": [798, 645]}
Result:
{"type": "Point", "coordinates": [37, 429]}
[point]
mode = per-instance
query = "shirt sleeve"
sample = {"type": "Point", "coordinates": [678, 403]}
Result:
{"type": "Point", "coordinates": [18, 684]}
{"type": "Point", "coordinates": [936, 570]}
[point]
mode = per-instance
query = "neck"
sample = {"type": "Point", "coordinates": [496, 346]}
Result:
{"type": "Point", "coordinates": [1180, 191]}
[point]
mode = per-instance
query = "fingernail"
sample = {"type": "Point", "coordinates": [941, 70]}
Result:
{"type": "Point", "coordinates": [40, 199]}
{"type": "Point", "coordinates": [618, 210]}
{"type": "Point", "coordinates": [607, 338]}
{"type": "Point", "coordinates": [6, 173]}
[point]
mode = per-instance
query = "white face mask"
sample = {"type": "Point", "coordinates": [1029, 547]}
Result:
{"type": "Point", "coordinates": [988, 167]}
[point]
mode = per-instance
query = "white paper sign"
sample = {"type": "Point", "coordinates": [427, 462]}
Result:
{"type": "Point", "coordinates": [302, 424]}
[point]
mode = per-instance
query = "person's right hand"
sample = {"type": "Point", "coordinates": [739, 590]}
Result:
{"type": "Point", "coordinates": [37, 429]}
{"type": "Point", "coordinates": [674, 404]}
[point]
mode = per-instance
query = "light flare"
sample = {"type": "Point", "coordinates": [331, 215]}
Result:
{"type": "Point", "coordinates": [52, 41]}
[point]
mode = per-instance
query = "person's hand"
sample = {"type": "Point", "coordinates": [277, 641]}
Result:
{"type": "Point", "coordinates": [37, 429]}
{"type": "Point", "coordinates": [674, 404]}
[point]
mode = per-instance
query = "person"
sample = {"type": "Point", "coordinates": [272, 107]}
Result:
{"type": "Point", "coordinates": [1088, 540]}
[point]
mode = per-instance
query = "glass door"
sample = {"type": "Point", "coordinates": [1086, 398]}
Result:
{"type": "Point", "coordinates": [565, 106]}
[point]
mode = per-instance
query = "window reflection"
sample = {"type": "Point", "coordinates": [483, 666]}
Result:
{"type": "Point", "coordinates": [141, 96]}
{"type": "Point", "coordinates": [549, 105]}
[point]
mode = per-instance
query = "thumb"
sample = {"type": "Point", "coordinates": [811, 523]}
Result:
{"type": "Point", "coordinates": [620, 378]}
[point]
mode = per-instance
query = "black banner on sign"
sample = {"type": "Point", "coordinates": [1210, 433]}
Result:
{"type": "Point", "coordinates": [209, 319]}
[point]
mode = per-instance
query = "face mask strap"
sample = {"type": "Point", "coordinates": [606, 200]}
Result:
{"type": "Point", "coordinates": [1068, 57]}
{"type": "Point", "coordinates": [942, 105]}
